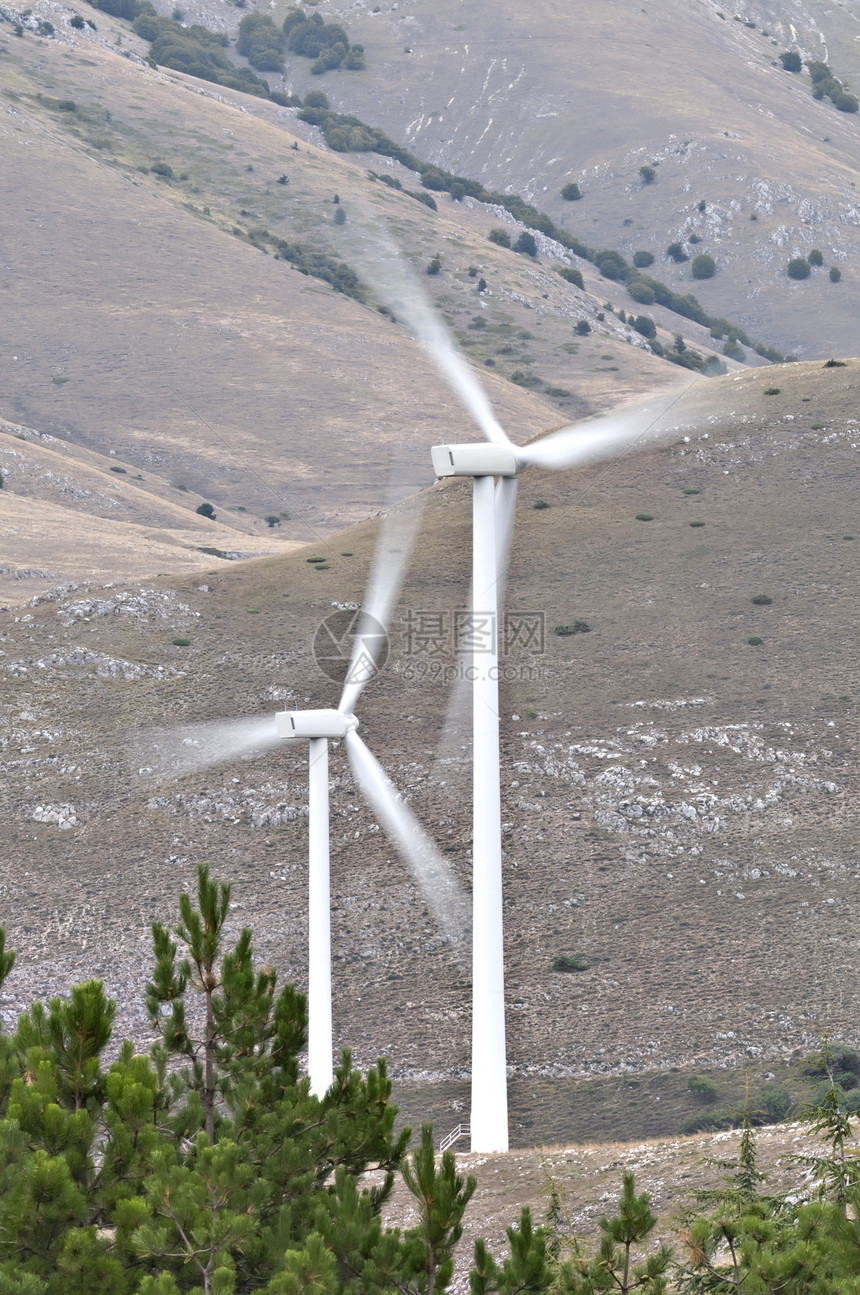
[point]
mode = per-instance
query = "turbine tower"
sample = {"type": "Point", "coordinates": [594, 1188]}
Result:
{"type": "Point", "coordinates": [361, 644]}
{"type": "Point", "coordinates": [495, 460]}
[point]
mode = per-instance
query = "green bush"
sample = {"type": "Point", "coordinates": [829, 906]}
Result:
{"type": "Point", "coordinates": [734, 350]}
{"type": "Point", "coordinates": [835, 274]}
{"type": "Point", "coordinates": [582, 327]}
{"type": "Point", "coordinates": [500, 237]}
{"type": "Point", "coordinates": [755, 641]}
{"type": "Point", "coordinates": [611, 264]}
{"type": "Point", "coordinates": [642, 259]}
{"type": "Point", "coordinates": [206, 510]}
{"type": "Point", "coordinates": [526, 244]}
{"type": "Point", "coordinates": [697, 523]}
{"type": "Point", "coordinates": [676, 253]}
{"type": "Point", "coordinates": [578, 627]}
{"type": "Point", "coordinates": [703, 266]}
{"type": "Point", "coordinates": [772, 391]}
{"type": "Point", "coordinates": [798, 268]}
{"type": "Point", "coordinates": [571, 275]}
{"type": "Point", "coordinates": [648, 174]}
{"type": "Point", "coordinates": [642, 292]}
{"type": "Point", "coordinates": [541, 503]}
{"type": "Point", "coordinates": [702, 1088]}
{"type": "Point", "coordinates": [434, 265]}
{"type": "Point", "coordinates": [644, 517]}
{"type": "Point", "coordinates": [645, 325]}
{"type": "Point", "coordinates": [317, 99]}
{"type": "Point", "coordinates": [761, 600]}
{"type": "Point", "coordinates": [815, 257]}
{"type": "Point", "coordinates": [566, 963]}
{"type": "Point", "coordinates": [791, 60]}
{"type": "Point", "coordinates": [180, 642]}
{"type": "Point", "coordinates": [571, 192]}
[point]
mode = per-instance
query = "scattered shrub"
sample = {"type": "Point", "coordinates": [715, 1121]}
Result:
{"type": "Point", "coordinates": [340, 216]}
{"type": "Point", "coordinates": [611, 265]}
{"type": "Point", "coordinates": [733, 350]}
{"type": "Point", "coordinates": [645, 325]}
{"type": "Point", "coordinates": [791, 60]}
{"type": "Point", "coordinates": [77, 22]}
{"type": "Point", "coordinates": [316, 99]}
{"type": "Point", "coordinates": [500, 236]}
{"type": "Point", "coordinates": [647, 174]}
{"type": "Point", "coordinates": [835, 364]}
{"type": "Point", "coordinates": [434, 265]}
{"type": "Point", "coordinates": [118, 469]}
{"type": "Point", "coordinates": [761, 600]}
{"type": "Point", "coordinates": [482, 285]}
{"type": "Point", "coordinates": [272, 520]}
{"type": "Point", "coordinates": [206, 510]}
{"type": "Point", "coordinates": [526, 244]}
{"type": "Point", "coordinates": [571, 275]}
{"type": "Point", "coordinates": [644, 517]}
{"type": "Point", "coordinates": [642, 292]}
{"type": "Point", "coordinates": [582, 327]}
{"type": "Point", "coordinates": [642, 259]}
{"type": "Point", "coordinates": [692, 490]}
{"type": "Point", "coordinates": [702, 1088]}
{"type": "Point", "coordinates": [571, 192]}
{"type": "Point", "coordinates": [754, 640]}
{"type": "Point", "coordinates": [676, 253]}
{"type": "Point", "coordinates": [697, 523]}
{"type": "Point", "coordinates": [815, 257]}
{"type": "Point", "coordinates": [578, 627]}
{"type": "Point", "coordinates": [541, 503]}
{"type": "Point", "coordinates": [703, 266]}
{"type": "Point", "coordinates": [566, 963]}
{"type": "Point", "coordinates": [798, 268]}
{"type": "Point", "coordinates": [772, 391]}
{"type": "Point", "coordinates": [315, 560]}
{"type": "Point", "coordinates": [180, 642]}
{"type": "Point", "coordinates": [835, 274]}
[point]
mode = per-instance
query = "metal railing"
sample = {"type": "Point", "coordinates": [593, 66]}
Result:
{"type": "Point", "coordinates": [461, 1131]}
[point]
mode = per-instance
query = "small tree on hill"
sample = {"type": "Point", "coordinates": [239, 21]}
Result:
{"type": "Point", "coordinates": [798, 268]}
{"type": "Point", "coordinates": [526, 244]}
{"type": "Point", "coordinates": [571, 192]}
{"type": "Point", "coordinates": [703, 266]}
{"type": "Point", "coordinates": [206, 510]}
{"type": "Point", "coordinates": [791, 60]}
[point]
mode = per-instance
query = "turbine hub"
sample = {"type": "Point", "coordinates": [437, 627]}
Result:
{"type": "Point", "coordinates": [314, 723]}
{"type": "Point", "coordinates": [484, 459]}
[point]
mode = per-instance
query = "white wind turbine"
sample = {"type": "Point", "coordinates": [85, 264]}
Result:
{"type": "Point", "coordinates": [494, 465]}
{"type": "Point", "coordinates": [212, 743]}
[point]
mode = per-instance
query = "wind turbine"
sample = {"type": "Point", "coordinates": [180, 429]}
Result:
{"type": "Point", "coordinates": [494, 466]}
{"type": "Point", "coordinates": [223, 740]}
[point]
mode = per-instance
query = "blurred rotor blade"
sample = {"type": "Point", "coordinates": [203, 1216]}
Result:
{"type": "Point", "coordinates": [506, 503]}
{"type": "Point", "coordinates": [168, 753]}
{"type": "Point", "coordinates": [399, 289]}
{"type": "Point", "coordinates": [601, 438]}
{"type": "Point", "coordinates": [445, 899]}
{"type": "Point", "coordinates": [395, 542]}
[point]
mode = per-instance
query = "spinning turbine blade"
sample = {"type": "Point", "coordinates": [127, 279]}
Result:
{"type": "Point", "coordinates": [172, 752]}
{"type": "Point", "coordinates": [400, 291]}
{"type": "Point", "coordinates": [600, 438]}
{"type": "Point", "coordinates": [394, 546]}
{"type": "Point", "coordinates": [444, 897]}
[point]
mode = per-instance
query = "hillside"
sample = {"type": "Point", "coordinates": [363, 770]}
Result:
{"type": "Point", "coordinates": [679, 783]}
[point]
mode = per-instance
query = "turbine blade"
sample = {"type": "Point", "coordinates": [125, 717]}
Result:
{"type": "Point", "coordinates": [394, 545]}
{"type": "Point", "coordinates": [506, 503]}
{"type": "Point", "coordinates": [441, 890]}
{"type": "Point", "coordinates": [168, 753]}
{"type": "Point", "coordinates": [601, 438]}
{"type": "Point", "coordinates": [400, 291]}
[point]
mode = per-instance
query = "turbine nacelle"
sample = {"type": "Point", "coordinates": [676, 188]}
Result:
{"type": "Point", "coordinates": [314, 723]}
{"type": "Point", "coordinates": [484, 459]}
